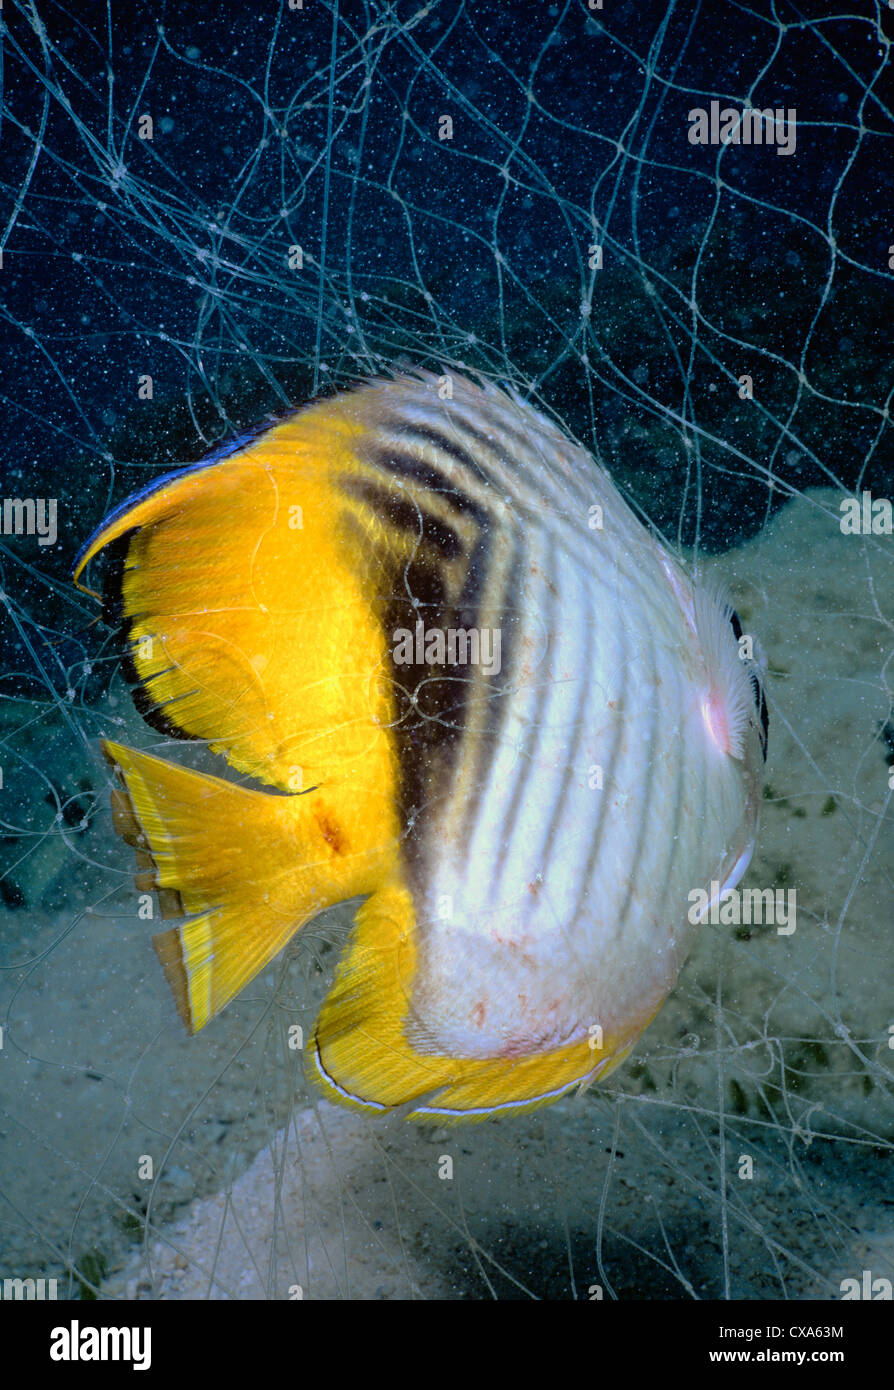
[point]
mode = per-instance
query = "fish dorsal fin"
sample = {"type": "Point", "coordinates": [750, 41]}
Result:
{"type": "Point", "coordinates": [247, 616]}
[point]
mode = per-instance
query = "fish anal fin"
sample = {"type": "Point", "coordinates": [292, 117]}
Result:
{"type": "Point", "coordinates": [363, 1057]}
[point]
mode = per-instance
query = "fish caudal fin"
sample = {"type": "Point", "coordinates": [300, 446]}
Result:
{"type": "Point", "coordinates": [248, 868]}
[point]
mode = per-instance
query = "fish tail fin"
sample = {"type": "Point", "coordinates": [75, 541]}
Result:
{"type": "Point", "coordinates": [247, 867]}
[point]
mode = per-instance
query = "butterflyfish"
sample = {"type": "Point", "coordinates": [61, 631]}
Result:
{"type": "Point", "coordinates": [460, 679]}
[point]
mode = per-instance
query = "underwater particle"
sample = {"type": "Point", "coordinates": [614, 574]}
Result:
{"type": "Point", "coordinates": [385, 598]}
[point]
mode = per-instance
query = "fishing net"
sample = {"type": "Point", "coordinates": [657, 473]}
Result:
{"type": "Point", "coordinates": [211, 214]}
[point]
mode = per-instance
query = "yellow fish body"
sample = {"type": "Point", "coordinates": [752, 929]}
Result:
{"type": "Point", "coordinates": [484, 698]}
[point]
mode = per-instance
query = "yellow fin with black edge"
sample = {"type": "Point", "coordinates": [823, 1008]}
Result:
{"type": "Point", "coordinates": [250, 607]}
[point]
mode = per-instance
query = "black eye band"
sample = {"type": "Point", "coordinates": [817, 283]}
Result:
{"type": "Point", "coordinates": [759, 700]}
{"type": "Point", "coordinates": [761, 703]}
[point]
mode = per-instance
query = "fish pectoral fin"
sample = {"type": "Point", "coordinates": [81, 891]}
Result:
{"type": "Point", "coordinates": [248, 867]}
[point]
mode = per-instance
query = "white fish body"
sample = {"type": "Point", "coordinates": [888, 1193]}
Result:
{"type": "Point", "coordinates": [562, 855]}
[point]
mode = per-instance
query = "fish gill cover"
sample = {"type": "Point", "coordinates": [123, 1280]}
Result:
{"type": "Point", "coordinates": [667, 227]}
